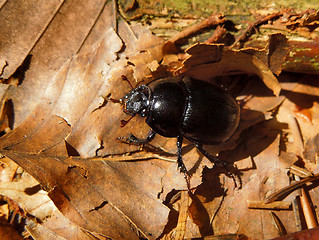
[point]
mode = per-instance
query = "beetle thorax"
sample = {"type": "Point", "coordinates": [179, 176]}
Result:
{"type": "Point", "coordinates": [137, 101]}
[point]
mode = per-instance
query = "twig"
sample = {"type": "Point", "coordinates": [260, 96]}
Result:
{"type": "Point", "coordinates": [307, 210]}
{"type": "Point", "coordinates": [180, 229]}
{"type": "Point", "coordinates": [218, 34]}
{"type": "Point", "coordinates": [255, 24]}
{"type": "Point", "coordinates": [277, 205]}
{"type": "Point", "coordinates": [213, 20]}
{"type": "Point", "coordinates": [278, 224]}
{"type": "Point", "coordinates": [130, 158]}
{"type": "Point", "coordinates": [297, 212]}
{"type": "Point", "coordinates": [218, 208]}
{"type": "Point", "coordinates": [287, 190]}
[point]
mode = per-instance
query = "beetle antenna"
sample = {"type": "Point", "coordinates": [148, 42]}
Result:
{"type": "Point", "coordinates": [114, 100]}
{"type": "Point", "coordinates": [124, 122]}
{"type": "Point", "coordinates": [108, 97]}
{"type": "Point", "coordinates": [124, 78]}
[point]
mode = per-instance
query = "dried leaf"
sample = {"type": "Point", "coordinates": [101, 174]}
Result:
{"type": "Point", "coordinates": [277, 50]}
{"type": "Point", "coordinates": [25, 190]}
{"type": "Point", "coordinates": [300, 131]}
{"type": "Point", "coordinates": [68, 114]}
{"type": "Point", "coordinates": [20, 34]}
{"type": "Point", "coordinates": [98, 203]}
{"type": "Point", "coordinates": [8, 232]}
{"type": "Point", "coordinates": [38, 145]}
{"type": "Point", "coordinates": [202, 53]}
{"type": "Point", "coordinates": [56, 39]}
{"type": "Point", "coordinates": [231, 62]}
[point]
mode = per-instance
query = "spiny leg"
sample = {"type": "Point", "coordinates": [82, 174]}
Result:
{"type": "Point", "coordinates": [139, 141]}
{"type": "Point", "coordinates": [216, 161]}
{"type": "Point", "coordinates": [180, 163]}
{"type": "Point", "coordinates": [210, 157]}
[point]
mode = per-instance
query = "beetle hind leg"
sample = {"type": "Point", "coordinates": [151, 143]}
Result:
{"type": "Point", "coordinates": [216, 161]}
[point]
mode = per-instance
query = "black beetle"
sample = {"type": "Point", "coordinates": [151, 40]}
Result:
{"type": "Point", "coordinates": [197, 110]}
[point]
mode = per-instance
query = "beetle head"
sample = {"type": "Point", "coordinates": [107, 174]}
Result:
{"type": "Point", "coordinates": [136, 101]}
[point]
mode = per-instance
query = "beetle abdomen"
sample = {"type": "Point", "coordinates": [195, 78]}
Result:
{"type": "Point", "coordinates": [167, 103]}
{"type": "Point", "coordinates": [211, 114]}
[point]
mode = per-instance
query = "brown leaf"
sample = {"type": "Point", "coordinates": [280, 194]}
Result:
{"type": "Point", "coordinates": [179, 232]}
{"type": "Point", "coordinates": [20, 34]}
{"type": "Point", "coordinates": [200, 216]}
{"type": "Point", "coordinates": [301, 131]}
{"type": "Point", "coordinates": [56, 227]}
{"type": "Point", "coordinates": [308, 18]}
{"type": "Point", "coordinates": [49, 40]}
{"type": "Point", "coordinates": [232, 62]}
{"type": "Point", "coordinates": [8, 232]}
{"type": "Point", "coordinates": [6, 115]}
{"type": "Point", "coordinates": [98, 195]}
{"type": "Point", "coordinates": [202, 53]}
{"type": "Point", "coordinates": [311, 148]}
{"type": "Point", "coordinates": [25, 191]}
{"type": "Point", "coordinates": [68, 113]}
{"type": "Point", "coordinates": [86, 194]}
{"type": "Point", "coordinates": [277, 51]}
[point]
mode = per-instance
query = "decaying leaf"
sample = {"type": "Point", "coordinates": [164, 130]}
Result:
{"type": "Point", "coordinates": [229, 62]}
{"type": "Point", "coordinates": [66, 135]}
{"type": "Point", "coordinates": [70, 105]}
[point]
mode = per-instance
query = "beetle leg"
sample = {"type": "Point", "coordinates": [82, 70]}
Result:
{"type": "Point", "coordinates": [139, 141]}
{"type": "Point", "coordinates": [216, 161]}
{"type": "Point", "coordinates": [180, 163]}
{"type": "Point", "coordinates": [210, 157]}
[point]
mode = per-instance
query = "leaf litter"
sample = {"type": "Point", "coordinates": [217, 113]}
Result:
{"type": "Point", "coordinates": [69, 141]}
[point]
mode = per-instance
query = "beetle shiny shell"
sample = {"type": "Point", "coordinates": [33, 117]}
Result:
{"type": "Point", "coordinates": [199, 111]}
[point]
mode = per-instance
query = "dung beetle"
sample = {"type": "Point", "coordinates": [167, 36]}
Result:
{"type": "Point", "coordinates": [201, 112]}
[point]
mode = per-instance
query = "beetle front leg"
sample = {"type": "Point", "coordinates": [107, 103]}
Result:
{"type": "Point", "coordinates": [180, 162]}
{"type": "Point", "coordinates": [139, 141]}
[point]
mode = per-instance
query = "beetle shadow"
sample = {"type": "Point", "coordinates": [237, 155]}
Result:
{"type": "Point", "coordinates": [259, 136]}
{"type": "Point", "coordinates": [210, 189]}
{"type": "Point", "coordinates": [250, 143]}
{"type": "Point", "coordinates": [254, 140]}
{"type": "Point", "coordinates": [201, 216]}
{"type": "Point", "coordinates": [253, 85]}
{"type": "Point", "coordinates": [305, 97]}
